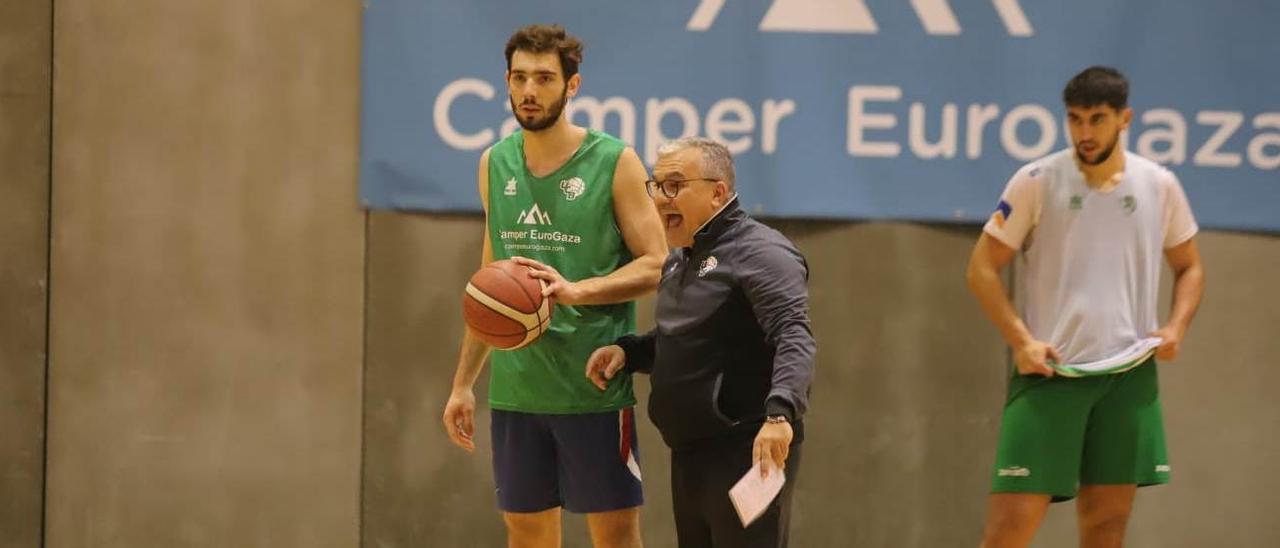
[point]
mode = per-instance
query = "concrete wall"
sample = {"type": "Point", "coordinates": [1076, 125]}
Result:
{"type": "Point", "coordinates": [208, 255]}
{"type": "Point", "coordinates": [905, 408]}
{"type": "Point", "coordinates": [24, 243]}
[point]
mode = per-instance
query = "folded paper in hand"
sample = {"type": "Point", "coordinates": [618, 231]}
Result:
{"type": "Point", "coordinates": [752, 494]}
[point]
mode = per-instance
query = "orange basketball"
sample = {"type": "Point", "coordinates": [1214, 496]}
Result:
{"type": "Point", "coordinates": [504, 306]}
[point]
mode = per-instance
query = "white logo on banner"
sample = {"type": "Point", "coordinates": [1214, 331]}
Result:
{"type": "Point", "coordinates": [853, 17]}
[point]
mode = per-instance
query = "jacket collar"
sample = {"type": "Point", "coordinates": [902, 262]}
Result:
{"type": "Point", "coordinates": [711, 230]}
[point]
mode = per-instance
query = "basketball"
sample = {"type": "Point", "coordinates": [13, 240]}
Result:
{"type": "Point", "coordinates": [504, 306]}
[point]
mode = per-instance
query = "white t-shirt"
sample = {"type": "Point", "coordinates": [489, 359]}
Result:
{"type": "Point", "coordinates": [1092, 259]}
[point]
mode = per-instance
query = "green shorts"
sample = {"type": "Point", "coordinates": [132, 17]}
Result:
{"type": "Point", "coordinates": [1058, 433]}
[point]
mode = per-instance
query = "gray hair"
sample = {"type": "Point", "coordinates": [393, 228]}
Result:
{"type": "Point", "coordinates": [717, 162]}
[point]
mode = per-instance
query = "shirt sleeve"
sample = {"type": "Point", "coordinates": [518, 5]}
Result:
{"type": "Point", "coordinates": [639, 350]}
{"type": "Point", "coordinates": [774, 278]}
{"type": "Point", "coordinates": [1179, 224]}
{"type": "Point", "coordinates": [1019, 208]}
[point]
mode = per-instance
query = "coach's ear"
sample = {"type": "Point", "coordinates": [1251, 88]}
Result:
{"type": "Point", "coordinates": [720, 195]}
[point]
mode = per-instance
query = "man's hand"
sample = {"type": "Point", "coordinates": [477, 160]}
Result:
{"type": "Point", "coordinates": [1032, 358]}
{"type": "Point", "coordinates": [772, 446]}
{"type": "Point", "coordinates": [1172, 344]}
{"type": "Point", "coordinates": [604, 363]}
{"type": "Point", "coordinates": [459, 418]}
{"type": "Point", "coordinates": [565, 291]}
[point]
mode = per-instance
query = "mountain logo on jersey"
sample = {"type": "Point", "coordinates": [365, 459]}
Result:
{"type": "Point", "coordinates": [534, 216]}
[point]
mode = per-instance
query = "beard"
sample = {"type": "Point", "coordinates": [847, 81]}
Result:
{"type": "Point", "coordinates": [552, 115]}
{"type": "Point", "coordinates": [1102, 156]}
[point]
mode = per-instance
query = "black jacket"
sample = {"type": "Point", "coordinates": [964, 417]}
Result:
{"type": "Point", "coordinates": [732, 341]}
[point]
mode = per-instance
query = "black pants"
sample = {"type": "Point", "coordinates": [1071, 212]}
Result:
{"type": "Point", "coordinates": [705, 518]}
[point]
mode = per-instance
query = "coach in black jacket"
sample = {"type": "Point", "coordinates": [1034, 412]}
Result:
{"type": "Point", "coordinates": [732, 356]}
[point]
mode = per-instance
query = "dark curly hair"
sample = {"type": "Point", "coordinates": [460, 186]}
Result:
{"type": "Point", "coordinates": [1095, 86]}
{"type": "Point", "coordinates": [547, 39]}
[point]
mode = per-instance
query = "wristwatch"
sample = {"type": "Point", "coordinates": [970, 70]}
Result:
{"type": "Point", "coordinates": [776, 419]}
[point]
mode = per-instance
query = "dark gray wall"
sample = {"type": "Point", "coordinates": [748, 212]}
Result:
{"type": "Point", "coordinates": [905, 407]}
{"type": "Point", "coordinates": [24, 221]}
{"type": "Point", "coordinates": [208, 256]}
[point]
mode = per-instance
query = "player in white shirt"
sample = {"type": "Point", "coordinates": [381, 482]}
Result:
{"type": "Point", "coordinates": [1092, 224]}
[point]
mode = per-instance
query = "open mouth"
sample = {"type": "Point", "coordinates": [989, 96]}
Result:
{"type": "Point", "coordinates": [673, 220]}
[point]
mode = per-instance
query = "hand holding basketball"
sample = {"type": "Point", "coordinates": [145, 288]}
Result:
{"type": "Point", "coordinates": [563, 290]}
{"type": "Point", "coordinates": [506, 306]}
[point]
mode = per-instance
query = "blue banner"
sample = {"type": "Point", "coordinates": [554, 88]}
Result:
{"type": "Point", "coordinates": [849, 109]}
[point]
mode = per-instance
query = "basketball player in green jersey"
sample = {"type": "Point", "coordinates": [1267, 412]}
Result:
{"type": "Point", "coordinates": [569, 203]}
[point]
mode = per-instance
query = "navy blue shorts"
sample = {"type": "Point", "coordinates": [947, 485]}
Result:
{"type": "Point", "coordinates": [585, 463]}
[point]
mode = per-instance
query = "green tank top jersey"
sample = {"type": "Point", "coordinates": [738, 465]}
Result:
{"type": "Point", "coordinates": [564, 220]}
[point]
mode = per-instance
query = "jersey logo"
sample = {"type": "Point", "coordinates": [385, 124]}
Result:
{"type": "Point", "coordinates": [1002, 213]}
{"type": "Point", "coordinates": [1076, 203]}
{"type": "Point", "coordinates": [708, 264]}
{"type": "Point", "coordinates": [511, 187]}
{"type": "Point", "coordinates": [534, 216]}
{"type": "Point", "coordinates": [572, 188]}
{"type": "Point", "coordinates": [1129, 203]}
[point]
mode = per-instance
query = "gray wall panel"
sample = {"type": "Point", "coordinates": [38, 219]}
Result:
{"type": "Point", "coordinates": [208, 257]}
{"type": "Point", "coordinates": [25, 61]}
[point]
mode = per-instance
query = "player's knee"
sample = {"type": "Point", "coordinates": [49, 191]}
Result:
{"type": "Point", "coordinates": [1008, 523]}
{"type": "Point", "coordinates": [1105, 521]}
{"type": "Point", "coordinates": [615, 530]}
{"type": "Point", "coordinates": [531, 526]}
{"type": "Point", "coordinates": [628, 537]}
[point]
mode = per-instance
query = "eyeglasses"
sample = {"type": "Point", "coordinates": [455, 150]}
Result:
{"type": "Point", "coordinates": [670, 187]}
